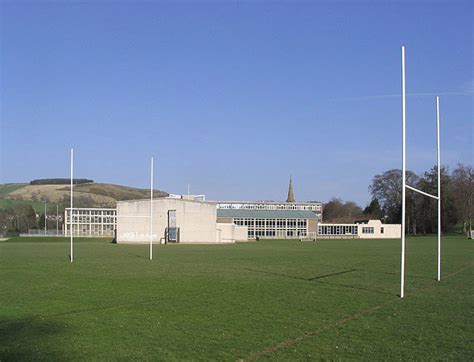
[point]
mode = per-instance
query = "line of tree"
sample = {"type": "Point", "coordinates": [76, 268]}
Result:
{"type": "Point", "coordinates": [457, 192]}
{"type": "Point", "coordinates": [21, 218]}
{"type": "Point", "coordinates": [60, 181]}
{"type": "Point", "coordinates": [17, 219]}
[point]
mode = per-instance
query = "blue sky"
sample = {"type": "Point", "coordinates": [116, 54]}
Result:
{"type": "Point", "coordinates": [233, 97]}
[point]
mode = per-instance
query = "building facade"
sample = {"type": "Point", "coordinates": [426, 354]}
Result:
{"type": "Point", "coordinates": [367, 229]}
{"type": "Point", "coordinates": [315, 207]}
{"type": "Point", "coordinates": [90, 222]}
{"type": "Point", "coordinates": [272, 224]}
{"type": "Point", "coordinates": [174, 220]}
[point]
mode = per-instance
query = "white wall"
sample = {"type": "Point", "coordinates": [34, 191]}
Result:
{"type": "Point", "coordinates": [391, 231]}
{"type": "Point", "coordinates": [197, 222]}
{"type": "Point", "coordinates": [229, 233]}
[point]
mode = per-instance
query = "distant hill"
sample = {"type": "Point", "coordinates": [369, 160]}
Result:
{"type": "Point", "coordinates": [85, 195]}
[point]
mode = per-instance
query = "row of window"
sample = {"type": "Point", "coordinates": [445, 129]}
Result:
{"type": "Point", "coordinates": [310, 207]}
{"type": "Point", "coordinates": [92, 230]}
{"type": "Point", "coordinates": [367, 230]}
{"type": "Point", "coordinates": [274, 228]}
{"type": "Point", "coordinates": [92, 212]}
{"type": "Point", "coordinates": [345, 230]}
{"type": "Point", "coordinates": [272, 223]}
{"type": "Point", "coordinates": [338, 230]}
{"type": "Point", "coordinates": [276, 233]}
{"type": "Point", "coordinates": [84, 219]}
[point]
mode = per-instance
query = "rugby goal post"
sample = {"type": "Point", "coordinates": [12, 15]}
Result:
{"type": "Point", "coordinates": [405, 186]}
{"type": "Point", "coordinates": [71, 216]}
{"type": "Point", "coordinates": [71, 231]}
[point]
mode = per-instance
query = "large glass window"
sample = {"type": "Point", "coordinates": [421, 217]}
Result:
{"type": "Point", "coordinates": [271, 223]}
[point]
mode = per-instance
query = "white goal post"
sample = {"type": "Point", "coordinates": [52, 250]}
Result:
{"type": "Point", "coordinates": [405, 186]}
{"type": "Point", "coordinates": [71, 255]}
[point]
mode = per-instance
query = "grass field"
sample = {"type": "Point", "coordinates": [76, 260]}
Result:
{"type": "Point", "coordinates": [334, 299]}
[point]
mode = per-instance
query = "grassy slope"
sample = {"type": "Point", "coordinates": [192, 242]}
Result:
{"type": "Point", "coordinates": [96, 194]}
{"type": "Point", "coordinates": [274, 299]}
{"type": "Point", "coordinates": [5, 189]}
{"type": "Point", "coordinates": [38, 206]}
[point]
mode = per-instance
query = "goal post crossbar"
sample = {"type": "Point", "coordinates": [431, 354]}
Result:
{"type": "Point", "coordinates": [422, 192]}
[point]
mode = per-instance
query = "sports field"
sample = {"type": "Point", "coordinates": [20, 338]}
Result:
{"type": "Point", "coordinates": [334, 299]}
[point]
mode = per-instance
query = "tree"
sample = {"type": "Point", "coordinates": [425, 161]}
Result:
{"type": "Point", "coordinates": [428, 208]}
{"type": "Point", "coordinates": [373, 210]}
{"type": "Point", "coordinates": [25, 218]}
{"type": "Point", "coordinates": [338, 211]}
{"type": "Point", "coordinates": [387, 189]}
{"type": "Point", "coordinates": [462, 180]}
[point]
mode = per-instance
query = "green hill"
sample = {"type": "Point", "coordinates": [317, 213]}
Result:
{"type": "Point", "coordinates": [85, 195]}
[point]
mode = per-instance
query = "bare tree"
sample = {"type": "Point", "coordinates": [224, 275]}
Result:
{"type": "Point", "coordinates": [463, 192]}
{"type": "Point", "coordinates": [387, 189]}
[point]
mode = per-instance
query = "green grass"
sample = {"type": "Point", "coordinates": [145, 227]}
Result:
{"type": "Point", "coordinates": [5, 189]}
{"type": "Point", "coordinates": [284, 300]}
{"type": "Point", "coordinates": [38, 206]}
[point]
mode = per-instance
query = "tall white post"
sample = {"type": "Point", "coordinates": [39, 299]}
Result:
{"type": "Point", "coordinates": [402, 269]}
{"type": "Point", "coordinates": [439, 189]}
{"type": "Point", "coordinates": [71, 231]}
{"type": "Point", "coordinates": [151, 211]}
{"type": "Point", "coordinates": [45, 219]}
{"type": "Point", "coordinates": [57, 219]}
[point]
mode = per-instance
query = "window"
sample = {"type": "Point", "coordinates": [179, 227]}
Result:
{"type": "Point", "coordinates": [367, 230]}
{"type": "Point", "coordinates": [301, 232]}
{"type": "Point", "coordinates": [381, 230]}
{"type": "Point", "coordinates": [270, 232]}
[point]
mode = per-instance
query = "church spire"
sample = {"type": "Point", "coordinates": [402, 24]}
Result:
{"type": "Point", "coordinates": [291, 196]}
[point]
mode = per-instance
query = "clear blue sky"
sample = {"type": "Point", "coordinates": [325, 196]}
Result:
{"type": "Point", "coordinates": [233, 97]}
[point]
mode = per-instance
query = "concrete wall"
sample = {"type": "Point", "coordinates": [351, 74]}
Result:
{"type": "Point", "coordinates": [312, 226]}
{"type": "Point", "coordinates": [197, 222]}
{"type": "Point", "coordinates": [229, 233]}
{"type": "Point", "coordinates": [390, 231]}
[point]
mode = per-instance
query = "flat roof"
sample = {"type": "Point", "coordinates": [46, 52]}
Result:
{"type": "Point", "coordinates": [161, 199]}
{"type": "Point", "coordinates": [267, 214]}
{"type": "Point", "coordinates": [268, 202]}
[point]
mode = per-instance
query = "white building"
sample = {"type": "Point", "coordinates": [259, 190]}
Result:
{"type": "Point", "coordinates": [272, 224]}
{"type": "Point", "coordinates": [90, 222]}
{"type": "Point", "coordinates": [367, 229]}
{"type": "Point", "coordinates": [174, 220]}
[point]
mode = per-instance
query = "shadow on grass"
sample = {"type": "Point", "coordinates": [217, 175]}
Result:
{"type": "Point", "coordinates": [124, 251]}
{"type": "Point", "coordinates": [396, 273]}
{"type": "Point", "coordinates": [26, 339]}
{"type": "Point", "coordinates": [317, 279]}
